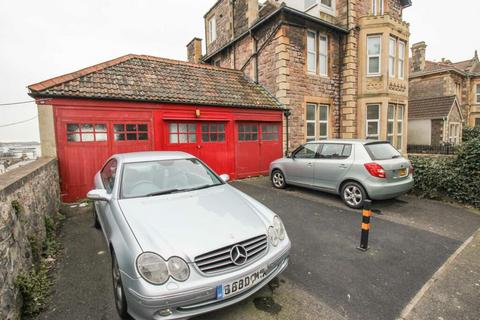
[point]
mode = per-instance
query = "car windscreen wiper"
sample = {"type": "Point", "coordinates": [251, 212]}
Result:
{"type": "Point", "coordinates": [169, 191]}
{"type": "Point", "coordinates": [203, 187]}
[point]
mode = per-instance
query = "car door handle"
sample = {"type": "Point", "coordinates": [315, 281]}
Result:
{"type": "Point", "coordinates": [309, 164]}
{"type": "Point", "coordinates": [343, 166]}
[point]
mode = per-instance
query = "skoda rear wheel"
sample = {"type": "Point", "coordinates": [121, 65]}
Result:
{"type": "Point", "coordinates": [118, 292]}
{"type": "Point", "coordinates": [278, 179]}
{"type": "Point", "coordinates": [353, 194]}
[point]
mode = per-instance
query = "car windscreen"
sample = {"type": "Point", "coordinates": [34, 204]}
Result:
{"type": "Point", "coordinates": [382, 151]}
{"type": "Point", "coordinates": [152, 178]}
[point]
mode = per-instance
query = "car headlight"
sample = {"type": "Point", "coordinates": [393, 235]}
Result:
{"type": "Point", "coordinates": [279, 227]}
{"type": "Point", "coordinates": [152, 268]}
{"type": "Point", "coordinates": [272, 236]}
{"type": "Point", "coordinates": [178, 268]}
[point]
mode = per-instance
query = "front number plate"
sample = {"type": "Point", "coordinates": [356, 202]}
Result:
{"type": "Point", "coordinates": [239, 285]}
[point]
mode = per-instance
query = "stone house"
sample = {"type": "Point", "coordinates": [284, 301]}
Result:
{"type": "Point", "coordinates": [450, 92]}
{"type": "Point", "coordinates": [340, 66]}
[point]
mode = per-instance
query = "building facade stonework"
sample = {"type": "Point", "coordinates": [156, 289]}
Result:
{"type": "Point", "coordinates": [430, 79]}
{"type": "Point", "coordinates": [342, 70]}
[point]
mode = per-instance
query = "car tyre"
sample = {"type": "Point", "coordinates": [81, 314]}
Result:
{"type": "Point", "coordinates": [278, 179]}
{"type": "Point", "coordinates": [96, 223]}
{"type": "Point", "coordinates": [118, 292]}
{"type": "Point", "coordinates": [353, 195]}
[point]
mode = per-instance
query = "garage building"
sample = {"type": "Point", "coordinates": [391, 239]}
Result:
{"type": "Point", "coordinates": [141, 103]}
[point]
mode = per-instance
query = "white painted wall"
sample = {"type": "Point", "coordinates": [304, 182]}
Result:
{"type": "Point", "coordinates": [420, 132]}
{"type": "Point", "coordinates": [315, 11]}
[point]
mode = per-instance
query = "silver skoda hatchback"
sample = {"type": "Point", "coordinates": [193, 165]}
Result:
{"type": "Point", "coordinates": [183, 242]}
{"type": "Point", "coordinates": [354, 169]}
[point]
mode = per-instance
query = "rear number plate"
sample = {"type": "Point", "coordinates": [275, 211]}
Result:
{"type": "Point", "coordinates": [239, 285]}
{"type": "Point", "coordinates": [402, 172]}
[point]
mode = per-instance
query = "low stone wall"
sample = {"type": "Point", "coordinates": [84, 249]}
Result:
{"type": "Point", "coordinates": [27, 195]}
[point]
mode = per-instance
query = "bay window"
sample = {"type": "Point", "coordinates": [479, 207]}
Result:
{"type": "Point", "coordinates": [317, 121]}
{"type": "Point", "coordinates": [390, 123]}
{"type": "Point", "coordinates": [400, 115]}
{"type": "Point", "coordinates": [401, 60]}
{"type": "Point", "coordinates": [391, 57]}
{"type": "Point", "coordinates": [374, 45]}
{"type": "Point", "coordinates": [373, 121]}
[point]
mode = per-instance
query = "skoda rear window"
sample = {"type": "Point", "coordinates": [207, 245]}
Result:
{"type": "Point", "coordinates": [382, 151]}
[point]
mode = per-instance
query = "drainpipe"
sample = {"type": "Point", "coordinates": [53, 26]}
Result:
{"type": "Point", "coordinates": [255, 54]}
{"type": "Point", "coordinates": [287, 114]}
{"type": "Point", "coordinates": [233, 36]}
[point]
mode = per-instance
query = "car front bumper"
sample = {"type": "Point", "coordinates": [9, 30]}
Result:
{"type": "Point", "coordinates": [382, 191]}
{"type": "Point", "coordinates": [195, 301]}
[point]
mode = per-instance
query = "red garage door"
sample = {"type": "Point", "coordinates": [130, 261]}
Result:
{"type": "Point", "coordinates": [258, 144]}
{"type": "Point", "coordinates": [84, 145]}
{"type": "Point", "coordinates": [211, 141]}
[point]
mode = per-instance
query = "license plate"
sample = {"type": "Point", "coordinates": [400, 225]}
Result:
{"type": "Point", "coordinates": [226, 290]}
{"type": "Point", "coordinates": [402, 172]}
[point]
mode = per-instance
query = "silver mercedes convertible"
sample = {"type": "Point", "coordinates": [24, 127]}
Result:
{"type": "Point", "coordinates": [183, 242]}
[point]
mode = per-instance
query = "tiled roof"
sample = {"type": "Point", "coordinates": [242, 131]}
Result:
{"type": "Point", "coordinates": [153, 79]}
{"type": "Point", "coordinates": [430, 108]}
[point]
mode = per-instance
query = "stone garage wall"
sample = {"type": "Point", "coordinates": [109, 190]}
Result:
{"type": "Point", "coordinates": [27, 195]}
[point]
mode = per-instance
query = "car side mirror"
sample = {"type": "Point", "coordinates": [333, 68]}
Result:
{"type": "Point", "coordinates": [225, 177]}
{"type": "Point", "coordinates": [99, 195]}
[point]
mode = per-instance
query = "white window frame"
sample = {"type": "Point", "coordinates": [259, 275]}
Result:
{"type": "Point", "coordinates": [392, 45]}
{"type": "Point", "coordinates": [367, 121]}
{"type": "Point", "coordinates": [374, 7]}
{"type": "Point", "coordinates": [307, 8]}
{"type": "Point", "coordinates": [379, 56]}
{"type": "Point", "coordinates": [212, 29]}
{"type": "Point", "coordinates": [317, 122]}
{"type": "Point", "coordinates": [381, 5]}
{"type": "Point", "coordinates": [454, 135]}
{"type": "Point", "coordinates": [477, 93]}
{"type": "Point", "coordinates": [322, 55]}
{"type": "Point", "coordinates": [399, 107]}
{"type": "Point", "coordinates": [401, 60]}
{"type": "Point", "coordinates": [391, 121]}
{"type": "Point", "coordinates": [314, 52]}
{"type": "Point", "coordinates": [331, 8]}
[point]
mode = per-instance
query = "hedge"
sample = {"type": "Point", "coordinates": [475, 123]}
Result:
{"type": "Point", "coordinates": [456, 178]}
{"type": "Point", "coordinates": [470, 133]}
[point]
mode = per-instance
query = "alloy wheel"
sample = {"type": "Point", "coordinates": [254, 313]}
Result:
{"type": "Point", "coordinates": [352, 195]}
{"type": "Point", "coordinates": [117, 285]}
{"type": "Point", "coordinates": [278, 179]}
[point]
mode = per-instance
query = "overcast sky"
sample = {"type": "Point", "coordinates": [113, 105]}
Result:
{"type": "Point", "coordinates": [40, 39]}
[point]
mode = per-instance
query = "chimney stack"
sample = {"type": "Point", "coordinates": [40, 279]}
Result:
{"type": "Point", "coordinates": [252, 11]}
{"type": "Point", "coordinates": [194, 50]}
{"type": "Point", "coordinates": [419, 56]}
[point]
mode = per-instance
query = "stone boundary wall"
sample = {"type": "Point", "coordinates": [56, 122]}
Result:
{"type": "Point", "coordinates": [27, 195]}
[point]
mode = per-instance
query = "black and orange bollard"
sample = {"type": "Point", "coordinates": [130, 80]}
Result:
{"type": "Point", "coordinates": [367, 213]}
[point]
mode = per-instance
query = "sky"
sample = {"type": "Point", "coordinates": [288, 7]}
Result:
{"type": "Point", "coordinates": [47, 38]}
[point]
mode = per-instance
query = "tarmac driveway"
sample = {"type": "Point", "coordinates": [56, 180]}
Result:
{"type": "Point", "coordinates": [327, 277]}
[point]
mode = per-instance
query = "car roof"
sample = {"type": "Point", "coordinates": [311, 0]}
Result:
{"type": "Point", "coordinates": [352, 141]}
{"type": "Point", "coordinates": [151, 156]}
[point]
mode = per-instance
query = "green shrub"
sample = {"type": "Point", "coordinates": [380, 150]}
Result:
{"type": "Point", "coordinates": [456, 178]}
{"type": "Point", "coordinates": [470, 133]}
{"type": "Point", "coordinates": [34, 287]}
{"type": "Point", "coordinates": [35, 284]}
